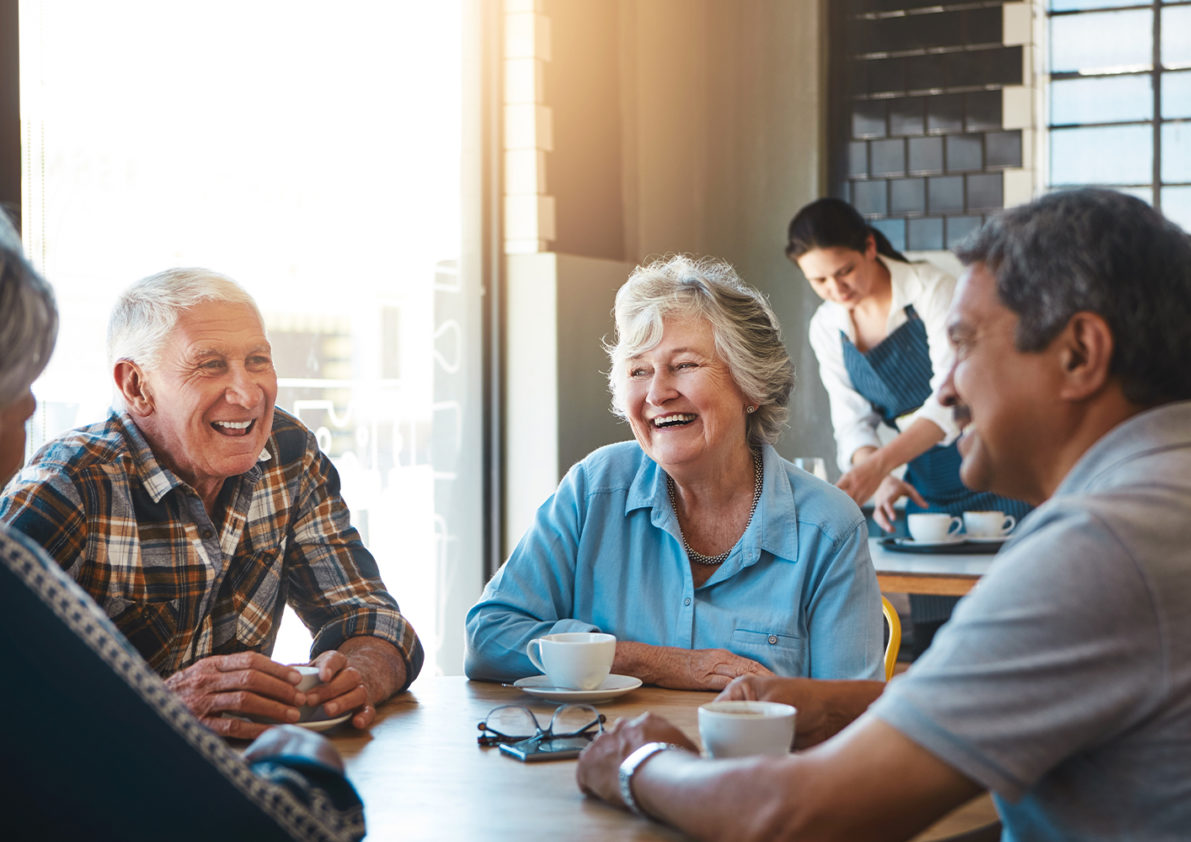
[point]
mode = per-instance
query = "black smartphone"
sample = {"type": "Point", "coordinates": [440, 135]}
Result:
{"type": "Point", "coordinates": [554, 748]}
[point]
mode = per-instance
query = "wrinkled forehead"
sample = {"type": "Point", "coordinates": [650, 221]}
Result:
{"type": "Point", "coordinates": [219, 325]}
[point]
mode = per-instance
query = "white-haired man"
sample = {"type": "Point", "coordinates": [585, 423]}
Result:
{"type": "Point", "coordinates": [197, 509]}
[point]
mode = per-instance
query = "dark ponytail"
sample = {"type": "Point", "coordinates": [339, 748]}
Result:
{"type": "Point", "coordinates": [833, 223]}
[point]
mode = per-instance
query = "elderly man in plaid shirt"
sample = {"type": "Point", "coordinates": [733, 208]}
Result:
{"type": "Point", "coordinates": [197, 509]}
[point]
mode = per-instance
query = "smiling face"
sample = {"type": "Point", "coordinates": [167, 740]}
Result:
{"type": "Point", "coordinates": [206, 408]}
{"type": "Point", "coordinates": [686, 411]}
{"type": "Point", "coordinates": [843, 275]}
{"type": "Point", "coordinates": [1005, 400]}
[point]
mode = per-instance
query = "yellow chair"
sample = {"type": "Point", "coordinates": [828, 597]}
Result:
{"type": "Point", "coordinates": [894, 644]}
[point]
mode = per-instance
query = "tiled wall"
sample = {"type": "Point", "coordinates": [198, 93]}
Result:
{"type": "Point", "coordinates": [918, 142]}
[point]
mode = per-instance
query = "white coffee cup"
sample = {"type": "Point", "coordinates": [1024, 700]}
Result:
{"type": "Point", "coordinates": [930, 528]}
{"type": "Point", "coordinates": [741, 729]}
{"type": "Point", "coordinates": [574, 660]}
{"type": "Point", "coordinates": [309, 681]}
{"type": "Point", "coordinates": [988, 524]}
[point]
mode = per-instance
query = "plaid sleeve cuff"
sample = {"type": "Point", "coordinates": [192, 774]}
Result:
{"type": "Point", "coordinates": [373, 622]}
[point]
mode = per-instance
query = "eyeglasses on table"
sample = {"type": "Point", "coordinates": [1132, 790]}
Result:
{"type": "Point", "coordinates": [513, 723]}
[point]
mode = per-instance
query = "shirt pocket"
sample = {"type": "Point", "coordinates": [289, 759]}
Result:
{"type": "Point", "coordinates": [780, 651]}
{"type": "Point", "coordinates": [151, 627]}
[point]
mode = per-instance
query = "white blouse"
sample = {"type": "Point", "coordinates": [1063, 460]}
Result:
{"type": "Point", "coordinates": [930, 290]}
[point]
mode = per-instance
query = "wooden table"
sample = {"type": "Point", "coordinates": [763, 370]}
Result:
{"type": "Point", "coordinates": [944, 574]}
{"type": "Point", "coordinates": [422, 776]}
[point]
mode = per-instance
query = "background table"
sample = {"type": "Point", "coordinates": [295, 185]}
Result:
{"type": "Point", "coordinates": [422, 776]}
{"type": "Point", "coordinates": [945, 574]}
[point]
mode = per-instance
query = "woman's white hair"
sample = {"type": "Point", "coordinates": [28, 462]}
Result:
{"type": "Point", "coordinates": [148, 310]}
{"type": "Point", "coordinates": [747, 335]}
{"type": "Point", "coordinates": [28, 318]}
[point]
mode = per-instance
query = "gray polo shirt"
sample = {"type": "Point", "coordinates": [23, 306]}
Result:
{"type": "Point", "coordinates": [1063, 681]}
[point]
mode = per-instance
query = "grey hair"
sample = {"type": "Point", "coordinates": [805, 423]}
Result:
{"type": "Point", "coordinates": [747, 335]}
{"type": "Point", "coordinates": [1099, 251]}
{"type": "Point", "coordinates": [148, 310]}
{"type": "Point", "coordinates": [28, 318]}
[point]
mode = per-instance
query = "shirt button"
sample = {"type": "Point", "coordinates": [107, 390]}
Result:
{"type": "Point", "coordinates": [772, 639]}
{"type": "Point", "coordinates": [207, 534]}
{"type": "Point", "coordinates": [686, 601]}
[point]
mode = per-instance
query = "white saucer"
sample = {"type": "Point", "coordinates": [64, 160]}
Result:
{"type": "Point", "coordinates": [910, 542]}
{"type": "Point", "coordinates": [996, 539]}
{"type": "Point", "coordinates": [324, 724]}
{"type": "Point", "coordinates": [614, 685]}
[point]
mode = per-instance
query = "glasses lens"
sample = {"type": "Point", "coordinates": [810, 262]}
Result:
{"type": "Point", "coordinates": [512, 721]}
{"type": "Point", "coordinates": [573, 719]}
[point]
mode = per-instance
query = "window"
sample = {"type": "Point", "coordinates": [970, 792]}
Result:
{"type": "Point", "coordinates": [314, 152]}
{"type": "Point", "coordinates": [1119, 92]}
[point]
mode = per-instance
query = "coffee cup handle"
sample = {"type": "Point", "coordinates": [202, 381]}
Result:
{"type": "Point", "coordinates": [1008, 524]}
{"type": "Point", "coordinates": [957, 523]}
{"type": "Point", "coordinates": [536, 643]}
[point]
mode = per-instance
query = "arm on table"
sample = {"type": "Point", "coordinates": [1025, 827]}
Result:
{"type": "Point", "coordinates": [683, 669]}
{"type": "Point", "coordinates": [869, 783]}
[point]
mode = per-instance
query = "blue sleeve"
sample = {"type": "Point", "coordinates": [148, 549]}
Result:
{"type": "Point", "coordinates": [533, 592]}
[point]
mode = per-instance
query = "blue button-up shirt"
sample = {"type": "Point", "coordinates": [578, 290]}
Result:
{"type": "Point", "coordinates": [798, 592]}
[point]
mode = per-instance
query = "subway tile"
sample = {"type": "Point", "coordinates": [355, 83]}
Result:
{"type": "Point", "coordinates": [959, 227]}
{"type": "Point", "coordinates": [868, 118]}
{"type": "Point", "coordinates": [985, 192]}
{"type": "Point", "coordinates": [983, 26]}
{"type": "Point", "coordinates": [924, 73]}
{"type": "Point", "coordinates": [983, 111]}
{"type": "Point", "coordinates": [868, 197]}
{"type": "Point", "coordinates": [925, 154]}
{"type": "Point", "coordinates": [964, 152]}
{"type": "Point", "coordinates": [945, 194]}
{"type": "Point", "coordinates": [857, 159]}
{"type": "Point", "coordinates": [924, 234]}
{"type": "Point", "coordinates": [945, 113]}
{"type": "Point", "coordinates": [888, 157]}
{"type": "Point", "coordinates": [1003, 149]}
{"type": "Point", "coordinates": [907, 195]}
{"type": "Point", "coordinates": [893, 229]}
{"type": "Point", "coordinates": [887, 75]}
{"type": "Point", "coordinates": [907, 116]}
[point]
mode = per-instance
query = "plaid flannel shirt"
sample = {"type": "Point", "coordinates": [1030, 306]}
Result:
{"type": "Point", "coordinates": [182, 587]}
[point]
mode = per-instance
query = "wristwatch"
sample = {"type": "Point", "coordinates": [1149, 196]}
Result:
{"type": "Point", "coordinates": [629, 768]}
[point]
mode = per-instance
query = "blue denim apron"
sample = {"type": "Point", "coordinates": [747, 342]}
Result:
{"type": "Point", "coordinates": [894, 376]}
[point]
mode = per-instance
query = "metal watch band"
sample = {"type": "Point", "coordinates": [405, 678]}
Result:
{"type": "Point", "coordinates": [629, 768]}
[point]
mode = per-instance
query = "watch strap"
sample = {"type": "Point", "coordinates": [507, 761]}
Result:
{"type": "Point", "coordinates": [629, 767]}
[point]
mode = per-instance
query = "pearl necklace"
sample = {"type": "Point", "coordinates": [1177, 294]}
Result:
{"type": "Point", "coordinates": [695, 555]}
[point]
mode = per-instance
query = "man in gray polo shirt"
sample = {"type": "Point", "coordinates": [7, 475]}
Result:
{"type": "Point", "coordinates": [1063, 681]}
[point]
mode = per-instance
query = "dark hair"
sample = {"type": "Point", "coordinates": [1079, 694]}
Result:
{"type": "Point", "coordinates": [833, 223]}
{"type": "Point", "coordinates": [1103, 252]}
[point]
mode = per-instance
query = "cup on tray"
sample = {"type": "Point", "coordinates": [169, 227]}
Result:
{"type": "Point", "coordinates": [574, 660]}
{"type": "Point", "coordinates": [932, 528]}
{"type": "Point", "coordinates": [741, 729]}
{"type": "Point", "coordinates": [988, 524]}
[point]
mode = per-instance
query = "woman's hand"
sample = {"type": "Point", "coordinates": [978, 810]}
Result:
{"type": "Point", "coordinates": [889, 492]}
{"type": "Point", "coordinates": [864, 479]}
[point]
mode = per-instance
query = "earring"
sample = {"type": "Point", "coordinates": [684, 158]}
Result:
{"type": "Point", "coordinates": [750, 409]}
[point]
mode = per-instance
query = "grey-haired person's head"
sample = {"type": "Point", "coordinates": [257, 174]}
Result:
{"type": "Point", "coordinates": [747, 335]}
{"type": "Point", "coordinates": [147, 312]}
{"type": "Point", "coordinates": [28, 318]}
{"type": "Point", "coordinates": [1104, 252]}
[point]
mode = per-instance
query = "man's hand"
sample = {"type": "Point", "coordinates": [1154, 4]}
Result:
{"type": "Point", "coordinates": [824, 707]}
{"type": "Point", "coordinates": [864, 479]}
{"type": "Point", "coordinates": [599, 764]}
{"type": "Point", "coordinates": [244, 684]}
{"type": "Point", "coordinates": [361, 674]}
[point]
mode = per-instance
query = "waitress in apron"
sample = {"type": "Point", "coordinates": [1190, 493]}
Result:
{"type": "Point", "coordinates": [881, 343]}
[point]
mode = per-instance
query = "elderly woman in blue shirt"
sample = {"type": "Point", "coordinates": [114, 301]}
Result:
{"type": "Point", "coordinates": [706, 553]}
